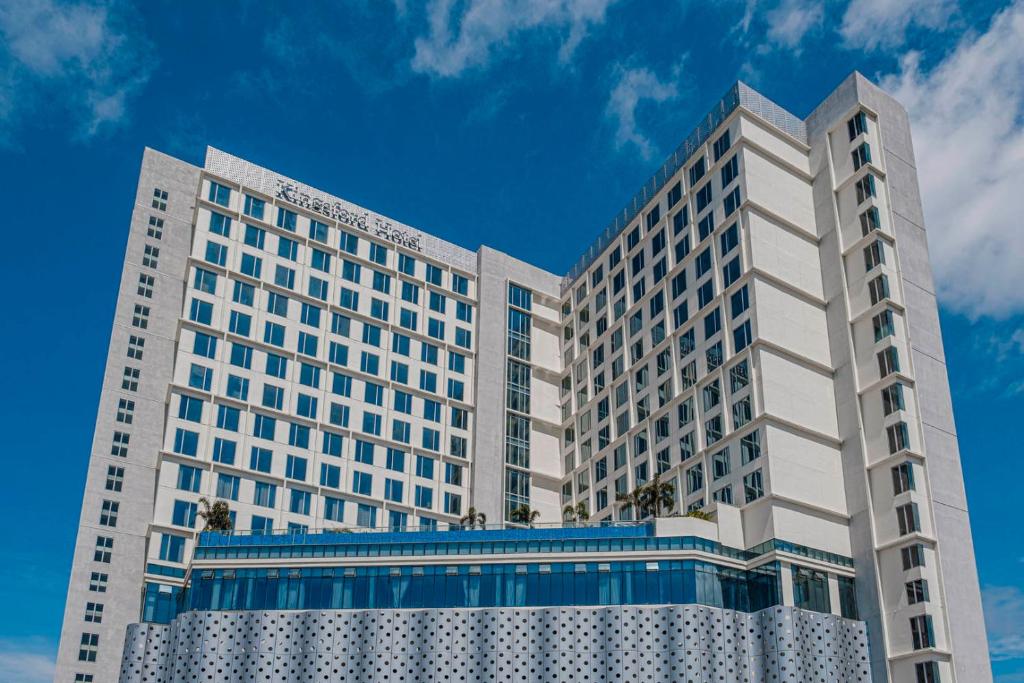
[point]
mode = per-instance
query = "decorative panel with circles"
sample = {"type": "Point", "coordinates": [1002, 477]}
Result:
{"type": "Point", "coordinates": [619, 644]}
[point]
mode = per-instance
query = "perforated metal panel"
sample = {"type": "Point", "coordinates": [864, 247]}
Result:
{"type": "Point", "coordinates": [582, 645]}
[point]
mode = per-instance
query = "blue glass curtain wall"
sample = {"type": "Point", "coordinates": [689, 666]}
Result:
{"type": "Point", "coordinates": [532, 585]}
{"type": "Point", "coordinates": [160, 603]}
{"type": "Point", "coordinates": [810, 589]}
{"type": "Point", "coordinates": [215, 546]}
{"type": "Point", "coordinates": [484, 547]}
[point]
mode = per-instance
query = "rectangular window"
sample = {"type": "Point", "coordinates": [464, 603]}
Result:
{"type": "Point", "coordinates": [865, 188]}
{"type": "Point", "coordinates": [103, 550]}
{"type": "Point", "coordinates": [227, 486]}
{"type": "Point", "coordinates": [857, 125]}
{"type": "Point", "coordinates": [753, 486]}
{"type": "Point", "coordinates": [869, 220]}
{"type": "Point", "coordinates": [155, 229]}
{"type": "Point", "coordinates": [254, 207]}
{"type": "Point", "coordinates": [917, 591]}
{"type": "Point", "coordinates": [189, 478]}
{"type": "Point", "coordinates": [219, 194]}
{"type": "Point", "coordinates": [913, 556]}
{"type": "Point", "coordinates": [146, 283]}
{"type": "Point", "coordinates": [878, 289]}
{"type": "Point", "coordinates": [892, 399]}
{"type": "Point", "coordinates": [732, 202]}
{"type": "Point", "coordinates": [89, 645]}
{"type": "Point", "coordinates": [704, 197]}
{"type": "Point", "coordinates": [908, 519]}
{"type": "Point", "coordinates": [150, 255]}
{"type": "Point", "coordinates": [696, 171]}
{"type": "Point", "coordinates": [286, 219]}
{"type": "Point", "coordinates": [159, 199]}
{"type": "Point", "coordinates": [861, 155]}
{"type": "Point", "coordinates": [721, 145]}
{"type": "Point", "coordinates": [888, 361]}
{"type": "Point", "coordinates": [730, 171]}
{"type": "Point", "coordinates": [874, 255]}
{"type": "Point", "coordinates": [108, 513]}
{"type": "Point", "coordinates": [927, 672]}
{"type": "Point", "coordinates": [115, 478]}
{"type": "Point", "coordinates": [902, 478]}
{"type": "Point", "coordinates": [921, 632]}
{"type": "Point", "coordinates": [675, 193]}
{"type": "Point", "coordinates": [883, 325]}
{"type": "Point", "coordinates": [898, 436]}
{"type": "Point", "coordinates": [98, 582]}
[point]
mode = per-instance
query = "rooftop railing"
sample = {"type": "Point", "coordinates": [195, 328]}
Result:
{"type": "Point", "coordinates": [414, 534]}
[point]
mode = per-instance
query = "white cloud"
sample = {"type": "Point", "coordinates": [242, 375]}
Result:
{"type": "Point", "coordinates": [633, 87]}
{"type": "Point", "coordinates": [791, 20]}
{"type": "Point", "coordinates": [79, 56]}
{"type": "Point", "coordinates": [874, 24]}
{"type": "Point", "coordinates": [967, 115]}
{"type": "Point", "coordinates": [26, 661]}
{"type": "Point", "coordinates": [464, 35]}
{"type": "Point", "coordinates": [1004, 619]}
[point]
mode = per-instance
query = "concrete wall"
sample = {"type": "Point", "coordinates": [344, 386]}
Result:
{"type": "Point", "coordinates": [122, 599]}
{"type": "Point", "coordinates": [495, 271]}
{"type": "Point", "coordinates": [945, 529]}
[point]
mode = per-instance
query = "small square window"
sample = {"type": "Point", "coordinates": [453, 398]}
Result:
{"type": "Point", "coordinates": [103, 550]}
{"type": "Point", "coordinates": [98, 582]}
{"type": "Point", "coordinates": [135, 345]}
{"type": "Point", "coordinates": [140, 317]}
{"type": "Point", "coordinates": [108, 513]}
{"type": "Point", "coordinates": [150, 255]}
{"type": "Point", "coordinates": [115, 478]}
{"type": "Point", "coordinates": [125, 411]}
{"type": "Point", "coordinates": [119, 447]}
{"type": "Point", "coordinates": [155, 229]}
{"type": "Point", "coordinates": [89, 646]}
{"type": "Point", "coordinates": [159, 199]}
{"type": "Point", "coordinates": [94, 612]}
{"type": "Point", "coordinates": [130, 380]}
{"type": "Point", "coordinates": [146, 283]}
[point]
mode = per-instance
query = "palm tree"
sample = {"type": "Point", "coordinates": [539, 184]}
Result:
{"type": "Point", "coordinates": [523, 515]}
{"type": "Point", "coordinates": [634, 500]}
{"type": "Point", "coordinates": [473, 519]}
{"type": "Point", "coordinates": [660, 496]}
{"type": "Point", "coordinates": [217, 516]}
{"type": "Point", "coordinates": [576, 513]}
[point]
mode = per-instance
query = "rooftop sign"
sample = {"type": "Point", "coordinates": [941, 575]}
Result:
{"type": "Point", "coordinates": [355, 217]}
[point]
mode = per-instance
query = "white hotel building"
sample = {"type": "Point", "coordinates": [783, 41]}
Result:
{"type": "Point", "coordinates": [757, 326]}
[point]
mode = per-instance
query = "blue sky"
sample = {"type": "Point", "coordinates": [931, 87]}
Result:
{"type": "Point", "coordinates": [522, 124]}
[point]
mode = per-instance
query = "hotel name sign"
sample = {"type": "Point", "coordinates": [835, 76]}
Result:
{"type": "Point", "coordinates": [361, 220]}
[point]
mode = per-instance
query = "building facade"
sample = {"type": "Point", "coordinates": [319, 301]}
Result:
{"type": "Point", "coordinates": [758, 326]}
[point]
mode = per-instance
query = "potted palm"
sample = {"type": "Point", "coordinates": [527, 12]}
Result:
{"type": "Point", "coordinates": [523, 515]}
{"type": "Point", "coordinates": [473, 519]}
{"type": "Point", "coordinates": [576, 513]}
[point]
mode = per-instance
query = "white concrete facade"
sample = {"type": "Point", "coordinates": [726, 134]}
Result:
{"type": "Point", "coordinates": [318, 365]}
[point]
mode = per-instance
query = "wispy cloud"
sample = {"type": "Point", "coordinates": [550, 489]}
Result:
{"type": "Point", "coordinates": [1004, 619]}
{"type": "Point", "coordinates": [881, 24]}
{"type": "Point", "coordinates": [968, 123]}
{"type": "Point", "coordinates": [27, 661]}
{"type": "Point", "coordinates": [90, 59]}
{"type": "Point", "coordinates": [791, 20]}
{"type": "Point", "coordinates": [633, 87]}
{"type": "Point", "coordinates": [364, 42]}
{"type": "Point", "coordinates": [463, 36]}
